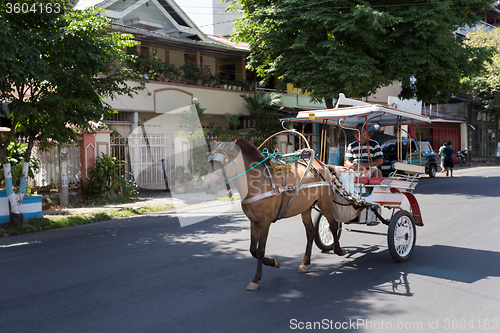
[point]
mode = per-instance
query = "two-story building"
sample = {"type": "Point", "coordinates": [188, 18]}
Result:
{"type": "Point", "coordinates": [167, 34]}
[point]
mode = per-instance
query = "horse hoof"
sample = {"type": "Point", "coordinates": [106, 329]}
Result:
{"type": "Point", "coordinates": [252, 286]}
{"type": "Point", "coordinates": [342, 252]}
{"type": "Point", "coordinates": [302, 269]}
{"type": "Point", "coordinates": [277, 264]}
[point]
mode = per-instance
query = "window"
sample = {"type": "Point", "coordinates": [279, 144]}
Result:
{"type": "Point", "coordinates": [191, 59]}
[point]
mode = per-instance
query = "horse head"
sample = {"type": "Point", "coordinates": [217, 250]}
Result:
{"type": "Point", "coordinates": [222, 160]}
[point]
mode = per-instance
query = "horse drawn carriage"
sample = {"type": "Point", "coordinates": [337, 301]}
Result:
{"type": "Point", "coordinates": [276, 185]}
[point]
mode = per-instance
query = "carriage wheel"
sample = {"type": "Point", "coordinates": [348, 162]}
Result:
{"type": "Point", "coordinates": [401, 236]}
{"type": "Point", "coordinates": [323, 236]}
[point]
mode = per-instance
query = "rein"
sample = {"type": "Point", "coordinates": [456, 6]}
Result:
{"type": "Point", "coordinates": [256, 165]}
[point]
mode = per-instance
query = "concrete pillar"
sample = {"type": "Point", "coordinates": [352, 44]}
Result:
{"type": "Point", "coordinates": [87, 156]}
{"type": "Point", "coordinates": [63, 172]}
{"type": "Point", "coordinates": [182, 153]}
{"type": "Point", "coordinates": [102, 142]}
{"type": "Point", "coordinates": [136, 120]}
{"type": "Point", "coordinates": [198, 59]}
{"type": "Point", "coordinates": [243, 70]}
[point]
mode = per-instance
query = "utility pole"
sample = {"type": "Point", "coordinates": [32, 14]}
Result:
{"type": "Point", "coordinates": [63, 170]}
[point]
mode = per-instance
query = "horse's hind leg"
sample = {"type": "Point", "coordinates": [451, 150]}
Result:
{"type": "Point", "coordinates": [306, 219]}
{"type": "Point", "coordinates": [258, 239]}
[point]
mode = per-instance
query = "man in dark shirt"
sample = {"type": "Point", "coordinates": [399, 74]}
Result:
{"type": "Point", "coordinates": [448, 158]}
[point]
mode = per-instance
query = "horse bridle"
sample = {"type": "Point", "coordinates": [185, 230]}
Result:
{"type": "Point", "coordinates": [225, 158]}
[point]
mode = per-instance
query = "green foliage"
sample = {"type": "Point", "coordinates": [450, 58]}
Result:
{"type": "Point", "coordinates": [233, 120]}
{"type": "Point", "coordinates": [357, 47]}
{"type": "Point", "coordinates": [172, 72]}
{"type": "Point", "coordinates": [148, 63]}
{"type": "Point", "coordinates": [206, 76]}
{"type": "Point", "coordinates": [126, 188]}
{"type": "Point", "coordinates": [191, 119]}
{"type": "Point", "coordinates": [60, 66]}
{"type": "Point", "coordinates": [15, 156]}
{"type": "Point", "coordinates": [485, 88]}
{"type": "Point", "coordinates": [105, 180]}
{"type": "Point", "coordinates": [199, 163]}
{"type": "Point", "coordinates": [259, 106]}
{"type": "Point", "coordinates": [216, 129]}
{"type": "Point", "coordinates": [190, 73]}
{"type": "Point", "coordinates": [58, 221]}
{"type": "Point", "coordinates": [180, 175]}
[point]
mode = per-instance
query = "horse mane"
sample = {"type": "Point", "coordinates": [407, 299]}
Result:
{"type": "Point", "coordinates": [248, 149]}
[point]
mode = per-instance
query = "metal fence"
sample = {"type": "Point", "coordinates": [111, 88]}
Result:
{"type": "Point", "coordinates": [48, 176]}
{"type": "Point", "coordinates": [150, 159]}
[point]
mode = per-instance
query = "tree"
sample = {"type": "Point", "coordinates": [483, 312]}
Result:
{"type": "Point", "coordinates": [485, 88]}
{"type": "Point", "coordinates": [233, 120]}
{"type": "Point", "coordinates": [54, 73]}
{"type": "Point", "coordinates": [258, 106]}
{"type": "Point", "coordinates": [356, 47]}
{"type": "Point", "coordinates": [191, 119]}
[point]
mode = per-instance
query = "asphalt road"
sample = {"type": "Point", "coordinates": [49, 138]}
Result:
{"type": "Point", "coordinates": [148, 274]}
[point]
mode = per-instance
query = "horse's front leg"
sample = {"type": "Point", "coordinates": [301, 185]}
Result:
{"type": "Point", "coordinates": [258, 239]}
{"type": "Point", "coordinates": [306, 261]}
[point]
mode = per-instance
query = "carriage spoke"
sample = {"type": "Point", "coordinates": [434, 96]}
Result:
{"type": "Point", "coordinates": [403, 236]}
{"type": "Point", "coordinates": [325, 232]}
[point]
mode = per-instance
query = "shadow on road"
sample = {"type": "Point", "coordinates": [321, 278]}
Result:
{"type": "Point", "coordinates": [150, 275]}
{"type": "Point", "coordinates": [482, 186]}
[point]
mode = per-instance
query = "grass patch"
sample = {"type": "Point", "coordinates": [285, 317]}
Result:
{"type": "Point", "coordinates": [62, 221]}
{"type": "Point", "coordinates": [226, 197]}
{"type": "Point", "coordinates": [49, 203]}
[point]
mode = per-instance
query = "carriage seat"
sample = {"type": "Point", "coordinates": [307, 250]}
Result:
{"type": "Point", "coordinates": [370, 181]}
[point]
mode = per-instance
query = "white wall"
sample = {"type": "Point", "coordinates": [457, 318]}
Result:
{"type": "Point", "coordinates": [161, 97]}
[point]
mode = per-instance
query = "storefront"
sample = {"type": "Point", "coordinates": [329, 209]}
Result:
{"type": "Point", "coordinates": [483, 134]}
{"type": "Point", "coordinates": [438, 131]}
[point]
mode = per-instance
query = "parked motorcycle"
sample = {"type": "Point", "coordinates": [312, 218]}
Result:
{"type": "Point", "coordinates": [463, 157]}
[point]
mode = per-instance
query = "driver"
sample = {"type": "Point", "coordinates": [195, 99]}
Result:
{"type": "Point", "coordinates": [370, 155]}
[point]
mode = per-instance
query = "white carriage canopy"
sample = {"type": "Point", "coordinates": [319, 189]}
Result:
{"type": "Point", "coordinates": [349, 117]}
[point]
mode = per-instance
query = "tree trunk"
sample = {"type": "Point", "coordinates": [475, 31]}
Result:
{"type": "Point", "coordinates": [16, 219]}
{"type": "Point", "coordinates": [329, 103]}
{"type": "Point", "coordinates": [16, 200]}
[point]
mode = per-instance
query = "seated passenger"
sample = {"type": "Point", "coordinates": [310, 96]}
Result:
{"type": "Point", "coordinates": [364, 153]}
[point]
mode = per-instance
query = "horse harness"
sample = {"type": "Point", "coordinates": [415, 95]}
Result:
{"type": "Point", "coordinates": [225, 160]}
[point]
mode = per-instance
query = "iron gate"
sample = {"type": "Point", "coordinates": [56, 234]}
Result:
{"type": "Point", "coordinates": [149, 158]}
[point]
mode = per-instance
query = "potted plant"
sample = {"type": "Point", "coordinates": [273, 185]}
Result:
{"type": "Point", "coordinates": [180, 179]}
{"type": "Point", "coordinates": [171, 73]}
{"type": "Point", "coordinates": [156, 70]}
{"type": "Point", "coordinates": [190, 73]}
{"type": "Point", "coordinates": [218, 80]}
{"type": "Point", "coordinates": [207, 77]}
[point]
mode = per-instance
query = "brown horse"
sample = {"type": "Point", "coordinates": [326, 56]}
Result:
{"type": "Point", "coordinates": [262, 205]}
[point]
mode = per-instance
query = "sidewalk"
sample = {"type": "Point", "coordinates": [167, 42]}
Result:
{"type": "Point", "coordinates": [149, 198]}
